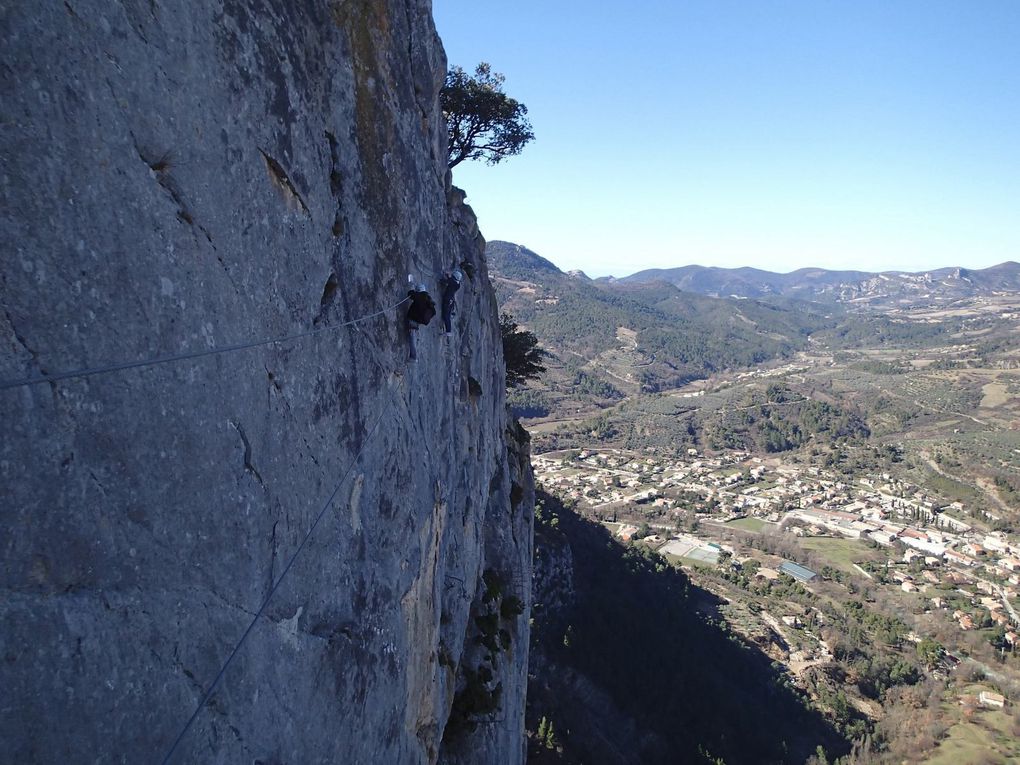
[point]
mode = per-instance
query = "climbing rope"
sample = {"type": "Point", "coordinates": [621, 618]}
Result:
{"type": "Point", "coordinates": [219, 675]}
{"type": "Point", "coordinates": [117, 367]}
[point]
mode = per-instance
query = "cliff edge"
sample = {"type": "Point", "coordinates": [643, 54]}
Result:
{"type": "Point", "coordinates": [184, 177]}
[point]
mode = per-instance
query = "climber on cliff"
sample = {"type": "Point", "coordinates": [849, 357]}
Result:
{"type": "Point", "coordinates": [419, 313]}
{"type": "Point", "coordinates": [451, 283]}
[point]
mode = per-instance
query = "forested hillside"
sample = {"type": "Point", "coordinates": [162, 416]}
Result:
{"type": "Point", "coordinates": [888, 288]}
{"type": "Point", "coordinates": [642, 335]}
{"type": "Point", "coordinates": [645, 337]}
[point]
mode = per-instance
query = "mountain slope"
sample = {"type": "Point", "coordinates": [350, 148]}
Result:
{"type": "Point", "coordinates": [742, 282]}
{"type": "Point", "coordinates": [890, 287]}
{"type": "Point", "coordinates": [644, 336]}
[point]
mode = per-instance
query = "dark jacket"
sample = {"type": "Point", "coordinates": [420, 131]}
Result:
{"type": "Point", "coordinates": [450, 291]}
{"type": "Point", "coordinates": [422, 307]}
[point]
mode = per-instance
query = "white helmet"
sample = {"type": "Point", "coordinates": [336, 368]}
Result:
{"type": "Point", "coordinates": [458, 275]}
{"type": "Point", "coordinates": [421, 287]}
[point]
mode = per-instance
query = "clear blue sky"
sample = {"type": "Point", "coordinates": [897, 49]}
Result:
{"type": "Point", "coordinates": [864, 134]}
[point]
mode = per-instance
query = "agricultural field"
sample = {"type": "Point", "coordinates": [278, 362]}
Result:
{"type": "Point", "coordinates": [839, 553]}
{"type": "Point", "coordinates": [977, 736]}
{"type": "Point", "coordinates": [748, 524]}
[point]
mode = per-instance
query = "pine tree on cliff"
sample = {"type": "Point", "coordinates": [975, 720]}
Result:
{"type": "Point", "coordinates": [521, 352]}
{"type": "Point", "coordinates": [483, 121]}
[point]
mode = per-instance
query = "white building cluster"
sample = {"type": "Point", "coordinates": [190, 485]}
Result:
{"type": "Point", "coordinates": [806, 499]}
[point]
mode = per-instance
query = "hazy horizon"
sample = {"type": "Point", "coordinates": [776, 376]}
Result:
{"type": "Point", "coordinates": [622, 275]}
{"type": "Point", "coordinates": [872, 136]}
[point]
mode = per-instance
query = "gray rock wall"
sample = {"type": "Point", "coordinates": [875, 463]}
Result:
{"type": "Point", "coordinates": [179, 176]}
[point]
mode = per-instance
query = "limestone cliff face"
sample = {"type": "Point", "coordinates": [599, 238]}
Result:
{"type": "Point", "coordinates": [179, 176]}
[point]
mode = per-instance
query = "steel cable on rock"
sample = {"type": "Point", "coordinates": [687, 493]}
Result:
{"type": "Point", "coordinates": [120, 366]}
{"type": "Point", "coordinates": [219, 675]}
{"type": "Point", "coordinates": [154, 361]}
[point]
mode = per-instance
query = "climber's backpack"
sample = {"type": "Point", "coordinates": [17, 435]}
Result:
{"type": "Point", "coordinates": [422, 309]}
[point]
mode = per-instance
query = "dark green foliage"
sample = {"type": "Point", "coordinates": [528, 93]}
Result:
{"type": "Point", "coordinates": [781, 420]}
{"type": "Point", "coordinates": [511, 607]}
{"type": "Point", "coordinates": [479, 695]}
{"type": "Point", "coordinates": [476, 699]}
{"type": "Point", "coordinates": [860, 627]}
{"type": "Point", "coordinates": [852, 461]}
{"type": "Point", "coordinates": [930, 652]}
{"type": "Point", "coordinates": [589, 384]}
{"type": "Point", "coordinates": [773, 420]}
{"type": "Point", "coordinates": [881, 367]}
{"type": "Point", "coordinates": [525, 402]}
{"type": "Point", "coordinates": [488, 627]}
{"type": "Point", "coordinates": [701, 340]}
{"type": "Point", "coordinates": [870, 330]}
{"type": "Point", "coordinates": [493, 585]}
{"type": "Point", "coordinates": [483, 122]}
{"type": "Point", "coordinates": [521, 353]}
{"type": "Point", "coordinates": [876, 674]}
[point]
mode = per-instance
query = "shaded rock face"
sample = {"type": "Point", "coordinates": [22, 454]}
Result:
{"type": "Point", "coordinates": [180, 176]}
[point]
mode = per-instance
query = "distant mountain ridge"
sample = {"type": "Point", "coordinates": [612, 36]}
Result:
{"type": "Point", "coordinates": [887, 287]}
{"type": "Point", "coordinates": [649, 335]}
{"type": "Point", "coordinates": [657, 330]}
{"type": "Point", "coordinates": [515, 261]}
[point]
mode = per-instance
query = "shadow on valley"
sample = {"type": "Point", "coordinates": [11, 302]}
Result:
{"type": "Point", "coordinates": [624, 669]}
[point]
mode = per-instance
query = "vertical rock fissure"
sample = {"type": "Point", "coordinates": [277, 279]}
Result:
{"type": "Point", "coordinates": [19, 337]}
{"type": "Point", "coordinates": [246, 459]}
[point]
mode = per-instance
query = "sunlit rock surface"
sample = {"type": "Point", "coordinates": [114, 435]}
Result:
{"type": "Point", "coordinates": [181, 176]}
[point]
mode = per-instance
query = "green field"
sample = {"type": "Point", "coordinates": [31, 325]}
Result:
{"type": "Point", "coordinates": [750, 524]}
{"type": "Point", "coordinates": [952, 489]}
{"type": "Point", "coordinates": [838, 553]}
{"type": "Point", "coordinates": [985, 738]}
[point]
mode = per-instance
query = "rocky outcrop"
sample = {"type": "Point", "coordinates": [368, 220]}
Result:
{"type": "Point", "coordinates": [186, 176]}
